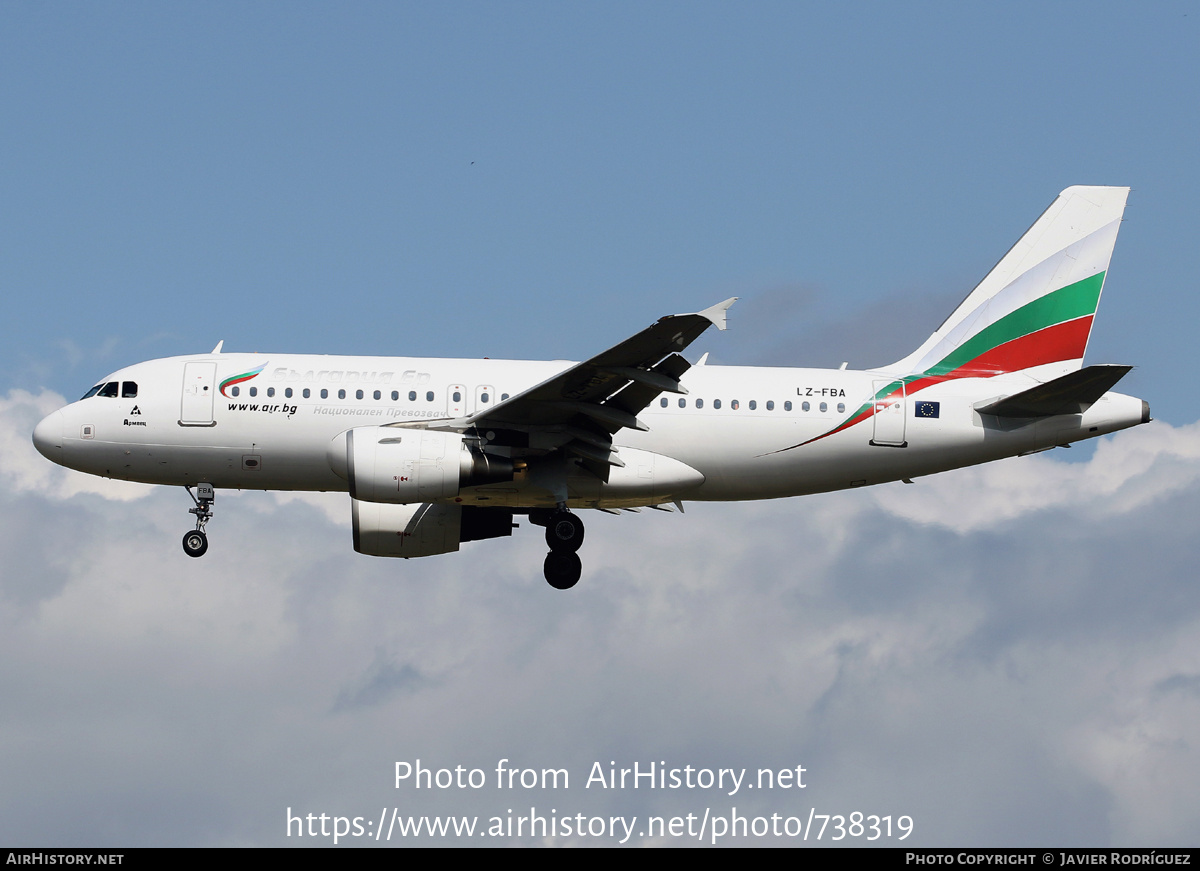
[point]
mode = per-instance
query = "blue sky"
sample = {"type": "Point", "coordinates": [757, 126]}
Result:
{"type": "Point", "coordinates": [540, 181]}
{"type": "Point", "coordinates": [532, 180]}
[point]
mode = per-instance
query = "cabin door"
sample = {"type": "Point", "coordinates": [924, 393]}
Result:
{"type": "Point", "coordinates": [889, 414]}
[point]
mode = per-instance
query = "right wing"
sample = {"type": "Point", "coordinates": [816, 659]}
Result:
{"type": "Point", "coordinates": [580, 409]}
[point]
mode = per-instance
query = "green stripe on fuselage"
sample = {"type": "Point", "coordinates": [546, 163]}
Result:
{"type": "Point", "coordinates": [1067, 303]}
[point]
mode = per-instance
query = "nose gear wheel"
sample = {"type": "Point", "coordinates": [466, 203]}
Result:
{"type": "Point", "coordinates": [195, 542]}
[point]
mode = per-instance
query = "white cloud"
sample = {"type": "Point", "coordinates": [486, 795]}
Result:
{"type": "Point", "coordinates": [1127, 472]}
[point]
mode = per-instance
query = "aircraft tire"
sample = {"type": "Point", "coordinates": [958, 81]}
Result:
{"type": "Point", "coordinates": [564, 532]}
{"type": "Point", "coordinates": [195, 543]}
{"type": "Point", "coordinates": [562, 570]}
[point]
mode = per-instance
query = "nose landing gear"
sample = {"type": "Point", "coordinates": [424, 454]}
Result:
{"type": "Point", "coordinates": [564, 535]}
{"type": "Point", "coordinates": [195, 542]}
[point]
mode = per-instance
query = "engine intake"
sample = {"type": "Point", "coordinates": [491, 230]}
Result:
{"type": "Point", "coordinates": [402, 466]}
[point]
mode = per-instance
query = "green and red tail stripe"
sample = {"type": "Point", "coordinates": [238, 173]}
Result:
{"type": "Point", "coordinates": [1050, 329]}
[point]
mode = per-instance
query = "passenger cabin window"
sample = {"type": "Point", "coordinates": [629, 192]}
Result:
{"type": "Point", "coordinates": [787, 406]}
{"type": "Point", "coordinates": [254, 391]}
{"type": "Point", "coordinates": [716, 403]}
{"type": "Point", "coordinates": [109, 390]}
{"type": "Point", "coordinates": [457, 396]}
{"type": "Point", "coordinates": [734, 404]}
{"type": "Point", "coordinates": [841, 408]}
{"type": "Point", "coordinates": [683, 403]}
{"type": "Point", "coordinates": [342, 393]}
{"type": "Point", "coordinates": [770, 405]}
{"type": "Point", "coordinates": [753, 404]}
{"type": "Point", "coordinates": [287, 393]}
{"type": "Point", "coordinates": [377, 395]}
{"type": "Point", "coordinates": [429, 396]}
{"type": "Point", "coordinates": [358, 394]}
{"type": "Point", "coordinates": [307, 393]}
{"type": "Point", "coordinates": [395, 395]}
{"type": "Point", "coordinates": [503, 397]}
{"type": "Point", "coordinates": [699, 403]}
{"type": "Point", "coordinates": [235, 390]}
{"type": "Point", "coordinates": [663, 402]}
{"type": "Point", "coordinates": [270, 391]}
{"type": "Point", "coordinates": [129, 390]}
{"type": "Point", "coordinates": [483, 397]}
{"type": "Point", "coordinates": [824, 407]}
{"type": "Point", "coordinates": [412, 396]}
{"type": "Point", "coordinates": [324, 392]}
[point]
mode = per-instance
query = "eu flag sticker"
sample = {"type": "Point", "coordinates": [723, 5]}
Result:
{"type": "Point", "coordinates": [928, 409]}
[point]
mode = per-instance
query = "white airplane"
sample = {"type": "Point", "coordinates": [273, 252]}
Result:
{"type": "Point", "coordinates": [436, 452]}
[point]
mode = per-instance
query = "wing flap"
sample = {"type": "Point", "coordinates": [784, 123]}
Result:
{"type": "Point", "coordinates": [640, 393]}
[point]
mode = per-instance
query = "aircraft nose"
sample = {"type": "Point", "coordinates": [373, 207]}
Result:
{"type": "Point", "coordinates": [48, 436]}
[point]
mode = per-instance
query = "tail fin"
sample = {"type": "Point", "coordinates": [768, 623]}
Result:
{"type": "Point", "coordinates": [1034, 310]}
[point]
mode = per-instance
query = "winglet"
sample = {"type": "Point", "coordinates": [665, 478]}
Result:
{"type": "Point", "coordinates": [716, 313]}
{"type": "Point", "coordinates": [217, 350]}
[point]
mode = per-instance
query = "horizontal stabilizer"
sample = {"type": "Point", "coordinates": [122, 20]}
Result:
{"type": "Point", "coordinates": [1073, 393]}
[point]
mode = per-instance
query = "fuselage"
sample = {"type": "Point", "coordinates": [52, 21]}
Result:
{"type": "Point", "coordinates": [266, 422]}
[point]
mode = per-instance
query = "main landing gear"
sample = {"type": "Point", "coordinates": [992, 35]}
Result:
{"type": "Point", "coordinates": [195, 542]}
{"type": "Point", "coordinates": [564, 535]}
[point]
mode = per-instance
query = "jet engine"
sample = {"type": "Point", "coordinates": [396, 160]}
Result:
{"type": "Point", "coordinates": [402, 466]}
{"type": "Point", "coordinates": [407, 531]}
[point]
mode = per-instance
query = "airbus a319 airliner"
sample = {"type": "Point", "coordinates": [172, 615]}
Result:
{"type": "Point", "coordinates": [437, 452]}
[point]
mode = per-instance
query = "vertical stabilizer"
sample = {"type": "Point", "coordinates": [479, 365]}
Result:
{"type": "Point", "coordinates": [1033, 312]}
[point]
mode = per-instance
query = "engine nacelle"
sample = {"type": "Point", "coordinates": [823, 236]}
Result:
{"type": "Point", "coordinates": [382, 529]}
{"type": "Point", "coordinates": [403, 466]}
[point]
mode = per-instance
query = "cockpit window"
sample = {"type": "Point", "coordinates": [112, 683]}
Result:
{"type": "Point", "coordinates": [91, 392]}
{"type": "Point", "coordinates": [129, 390]}
{"type": "Point", "coordinates": [109, 389]}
